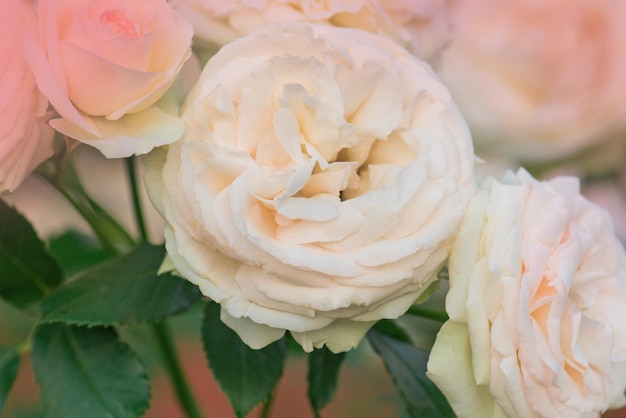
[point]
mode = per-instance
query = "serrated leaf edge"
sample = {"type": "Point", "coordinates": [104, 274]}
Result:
{"type": "Point", "coordinates": [125, 347]}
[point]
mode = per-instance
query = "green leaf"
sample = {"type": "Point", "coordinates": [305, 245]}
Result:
{"type": "Point", "coordinates": [407, 367]}
{"type": "Point", "coordinates": [88, 372]}
{"type": "Point", "coordinates": [124, 290]}
{"type": "Point", "coordinates": [324, 366]}
{"type": "Point", "coordinates": [247, 376]}
{"type": "Point", "coordinates": [391, 329]}
{"type": "Point", "coordinates": [9, 363]}
{"type": "Point", "coordinates": [29, 272]}
{"type": "Point", "coordinates": [77, 251]}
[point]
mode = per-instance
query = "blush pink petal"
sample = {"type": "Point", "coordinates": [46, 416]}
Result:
{"type": "Point", "coordinates": [115, 88]}
{"type": "Point", "coordinates": [543, 336]}
{"type": "Point", "coordinates": [134, 134]}
{"type": "Point", "coordinates": [25, 137]}
{"type": "Point", "coordinates": [134, 49]}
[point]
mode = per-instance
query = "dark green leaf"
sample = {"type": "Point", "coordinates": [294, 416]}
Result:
{"type": "Point", "coordinates": [9, 363]}
{"type": "Point", "coordinates": [88, 372]}
{"type": "Point", "coordinates": [407, 367]}
{"type": "Point", "coordinates": [247, 376]}
{"type": "Point", "coordinates": [27, 270]}
{"type": "Point", "coordinates": [76, 251]}
{"type": "Point", "coordinates": [125, 290]}
{"type": "Point", "coordinates": [391, 329]}
{"type": "Point", "coordinates": [324, 366]}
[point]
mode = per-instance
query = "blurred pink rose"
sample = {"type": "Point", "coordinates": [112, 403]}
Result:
{"type": "Point", "coordinates": [25, 137]}
{"type": "Point", "coordinates": [421, 25]}
{"type": "Point", "coordinates": [539, 79]}
{"type": "Point", "coordinates": [104, 63]}
{"type": "Point", "coordinates": [537, 305]}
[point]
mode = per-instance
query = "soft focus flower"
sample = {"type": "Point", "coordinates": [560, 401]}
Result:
{"type": "Point", "coordinates": [421, 25]}
{"type": "Point", "coordinates": [104, 63]}
{"type": "Point", "coordinates": [424, 24]}
{"type": "Point", "coordinates": [25, 137]}
{"type": "Point", "coordinates": [536, 303]}
{"type": "Point", "coordinates": [609, 195]}
{"type": "Point", "coordinates": [538, 80]}
{"type": "Point", "coordinates": [318, 186]}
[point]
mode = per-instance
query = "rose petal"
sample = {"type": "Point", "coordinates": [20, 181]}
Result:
{"type": "Point", "coordinates": [134, 134]}
{"type": "Point", "coordinates": [447, 367]}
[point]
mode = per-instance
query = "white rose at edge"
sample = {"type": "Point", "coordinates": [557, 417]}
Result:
{"type": "Point", "coordinates": [319, 185]}
{"type": "Point", "coordinates": [537, 305]}
{"type": "Point", "coordinates": [422, 26]}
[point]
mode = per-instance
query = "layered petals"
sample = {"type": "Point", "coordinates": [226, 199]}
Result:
{"type": "Point", "coordinates": [134, 49]}
{"type": "Point", "coordinates": [536, 305]}
{"type": "Point", "coordinates": [302, 203]}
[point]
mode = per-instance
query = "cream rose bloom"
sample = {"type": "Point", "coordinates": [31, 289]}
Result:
{"type": "Point", "coordinates": [25, 137]}
{"type": "Point", "coordinates": [103, 64]}
{"type": "Point", "coordinates": [538, 79]}
{"type": "Point", "coordinates": [318, 186]}
{"type": "Point", "coordinates": [421, 25]}
{"type": "Point", "coordinates": [537, 305]}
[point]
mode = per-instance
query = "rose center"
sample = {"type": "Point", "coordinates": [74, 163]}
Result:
{"type": "Point", "coordinates": [118, 22]}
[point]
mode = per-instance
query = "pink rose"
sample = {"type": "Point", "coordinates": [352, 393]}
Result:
{"type": "Point", "coordinates": [539, 80]}
{"type": "Point", "coordinates": [537, 305]}
{"type": "Point", "coordinates": [103, 64]}
{"type": "Point", "coordinates": [25, 137]}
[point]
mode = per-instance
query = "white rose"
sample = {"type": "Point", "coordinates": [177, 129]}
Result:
{"type": "Point", "coordinates": [421, 25]}
{"type": "Point", "coordinates": [537, 305]}
{"type": "Point", "coordinates": [538, 80]}
{"type": "Point", "coordinates": [319, 184]}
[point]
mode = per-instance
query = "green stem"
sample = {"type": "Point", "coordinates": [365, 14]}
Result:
{"type": "Point", "coordinates": [61, 175]}
{"type": "Point", "coordinates": [175, 371]}
{"type": "Point", "coordinates": [132, 177]}
{"type": "Point", "coordinates": [267, 405]}
{"type": "Point", "coordinates": [90, 218]}
{"type": "Point", "coordinates": [428, 313]}
{"type": "Point", "coordinates": [161, 330]}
